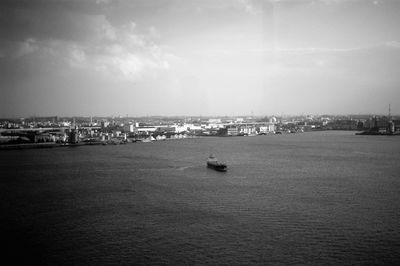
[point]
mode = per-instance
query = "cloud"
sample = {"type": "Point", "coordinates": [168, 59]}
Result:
{"type": "Point", "coordinates": [119, 62]}
{"type": "Point", "coordinates": [393, 44]}
{"type": "Point", "coordinates": [298, 50]}
{"type": "Point", "coordinates": [101, 2]}
{"type": "Point", "coordinates": [26, 47]}
{"type": "Point", "coordinates": [77, 56]}
{"type": "Point", "coordinates": [154, 33]}
{"type": "Point", "coordinates": [86, 41]}
{"type": "Point", "coordinates": [316, 50]}
{"type": "Point", "coordinates": [130, 55]}
{"type": "Point", "coordinates": [249, 6]}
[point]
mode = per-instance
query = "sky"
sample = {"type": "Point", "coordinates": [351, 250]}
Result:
{"type": "Point", "coordinates": [199, 57]}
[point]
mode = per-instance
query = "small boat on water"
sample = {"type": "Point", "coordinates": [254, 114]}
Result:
{"type": "Point", "coordinates": [213, 163]}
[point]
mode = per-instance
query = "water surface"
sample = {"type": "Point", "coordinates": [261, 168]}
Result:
{"type": "Point", "coordinates": [315, 198]}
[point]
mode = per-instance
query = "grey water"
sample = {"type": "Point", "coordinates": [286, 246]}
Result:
{"type": "Point", "coordinates": [316, 198]}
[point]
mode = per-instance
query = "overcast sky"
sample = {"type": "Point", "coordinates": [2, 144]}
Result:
{"type": "Point", "coordinates": [204, 57]}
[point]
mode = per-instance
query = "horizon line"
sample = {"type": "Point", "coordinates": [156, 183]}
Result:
{"type": "Point", "coordinates": [199, 116]}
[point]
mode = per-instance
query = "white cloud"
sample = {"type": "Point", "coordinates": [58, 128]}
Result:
{"type": "Point", "coordinates": [249, 7]}
{"type": "Point", "coordinates": [27, 47]}
{"type": "Point", "coordinates": [108, 31]}
{"type": "Point", "coordinates": [120, 53]}
{"type": "Point", "coordinates": [127, 55]}
{"type": "Point", "coordinates": [314, 50]}
{"type": "Point", "coordinates": [101, 2]}
{"type": "Point", "coordinates": [130, 65]}
{"type": "Point", "coordinates": [376, 2]}
{"type": "Point", "coordinates": [77, 56]}
{"type": "Point", "coordinates": [295, 50]}
{"type": "Point", "coordinates": [393, 44]}
{"type": "Point", "coordinates": [154, 33]}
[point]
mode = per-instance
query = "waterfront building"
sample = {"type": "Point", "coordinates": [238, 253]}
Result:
{"type": "Point", "coordinates": [268, 128]}
{"type": "Point", "coordinates": [166, 129]}
{"type": "Point", "coordinates": [129, 128]}
{"type": "Point", "coordinates": [181, 128]}
{"type": "Point", "coordinates": [104, 124]}
{"type": "Point", "coordinates": [193, 127]}
{"type": "Point", "coordinates": [232, 131]}
{"type": "Point", "coordinates": [214, 121]}
{"type": "Point", "coordinates": [74, 136]}
{"type": "Point", "coordinates": [248, 130]}
{"type": "Point", "coordinates": [43, 137]}
{"type": "Point", "coordinates": [146, 129]}
{"type": "Point", "coordinates": [396, 124]}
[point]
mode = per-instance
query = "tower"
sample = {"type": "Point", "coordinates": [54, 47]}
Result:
{"type": "Point", "coordinates": [390, 125]}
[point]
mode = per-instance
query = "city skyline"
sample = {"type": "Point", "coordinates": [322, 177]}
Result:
{"type": "Point", "coordinates": [210, 58]}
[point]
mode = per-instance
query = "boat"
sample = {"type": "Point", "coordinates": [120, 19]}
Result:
{"type": "Point", "coordinates": [213, 163]}
{"type": "Point", "coordinates": [149, 139]}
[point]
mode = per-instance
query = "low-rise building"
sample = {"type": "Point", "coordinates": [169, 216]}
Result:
{"type": "Point", "coordinates": [233, 131]}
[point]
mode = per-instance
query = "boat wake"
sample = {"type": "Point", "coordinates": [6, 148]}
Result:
{"type": "Point", "coordinates": [184, 168]}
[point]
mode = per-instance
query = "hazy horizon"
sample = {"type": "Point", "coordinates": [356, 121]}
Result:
{"type": "Point", "coordinates": [192, 58]}
{"type": "Point", "coordinates": [394, 116]}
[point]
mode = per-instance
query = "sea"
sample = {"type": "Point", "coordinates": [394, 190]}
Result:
{"type": "Point", "coordinates": [313, 198]}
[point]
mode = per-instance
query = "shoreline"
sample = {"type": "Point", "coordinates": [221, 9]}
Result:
{"type": "Point", "coordinates": [47, 145]}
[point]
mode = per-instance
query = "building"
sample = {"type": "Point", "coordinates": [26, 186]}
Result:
{"type": "Point", "coordinates": [104, 124]}
{"type": "Point", "coordinates": [248, 130]}
{"type": "Point", "coordinates": [146, 129]}
{"type": "Point", "coordinates": [73, 136]}
{"type": "Point", "coordinates": [129, 128]}
{"type": "Point", "coordinates": [268, 128]}
{"type": "Point", "coordinates": [232, 131]}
